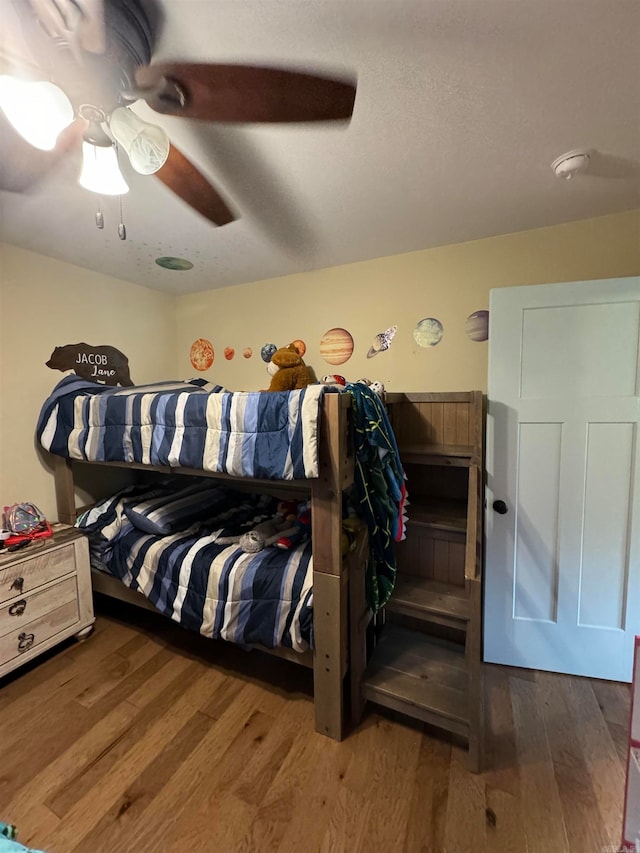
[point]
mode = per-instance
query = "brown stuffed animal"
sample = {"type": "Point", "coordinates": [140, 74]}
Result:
{"type": "Point", "coordinates": [291, 373]}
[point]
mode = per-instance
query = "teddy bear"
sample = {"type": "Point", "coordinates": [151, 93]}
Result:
{"type": "Point", "coordinates": [268, 532]}
{"type": "Point", "coordinates": [334, 379]}
{"type": "Point", "coordinates": [287, 511]}
{"type": "Point", "coordinates": [259, 537]}
{"type": "Point", "coordinates": [288, 371]}
{"type": "Point", "coordinates": [300, 532]}
{"type": "Point", "coordinates": [377, 387]}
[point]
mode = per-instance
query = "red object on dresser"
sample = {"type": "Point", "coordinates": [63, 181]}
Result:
{"type": "Point", "coordinates": [42, 533]}
{"type": "Point", "coordinates": [631, 820]}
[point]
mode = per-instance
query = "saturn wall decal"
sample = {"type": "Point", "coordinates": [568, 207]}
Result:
{"type": "Point", "coordinates": [382, 341]}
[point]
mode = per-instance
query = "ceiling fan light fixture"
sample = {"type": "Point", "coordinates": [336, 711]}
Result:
{"type": "Point", "coordinates": [37, 109]}
{"type": "Point", "coordinates": [146, 144]}
{"type": "Point", "coordinates": [100, 171]}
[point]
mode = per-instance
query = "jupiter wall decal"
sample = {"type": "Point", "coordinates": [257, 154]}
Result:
{"type": "Point", "coordinates": [336, 346]}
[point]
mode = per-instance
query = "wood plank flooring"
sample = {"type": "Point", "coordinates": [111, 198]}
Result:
{"type": "Point", "coordinates": [147, 739]}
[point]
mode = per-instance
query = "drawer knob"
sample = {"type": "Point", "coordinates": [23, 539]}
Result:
{"type": "Point", "coordinates": [17, 584]}
{"type": "Point", "coordinates": [25, 641]}
{"type": "Point", "coordinates": [18, 608]}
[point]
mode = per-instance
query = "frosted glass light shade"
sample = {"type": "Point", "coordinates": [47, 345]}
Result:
{"type": "Point", "coordinates": [100, 171]}
{"type": "Point", "coordinates": [147, 145]}
{"type": "Point", "coordinates": [38, 110]}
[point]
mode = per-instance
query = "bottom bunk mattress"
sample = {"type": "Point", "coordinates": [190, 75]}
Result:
{"type": "Point", "coordinates": [173, 546]}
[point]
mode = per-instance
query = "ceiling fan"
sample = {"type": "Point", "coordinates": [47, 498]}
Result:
{"type": "Point", "coordinates": [99, 53]}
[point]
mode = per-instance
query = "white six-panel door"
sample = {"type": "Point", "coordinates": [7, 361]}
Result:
{"type": "Point", "coordinates": [562, 575]}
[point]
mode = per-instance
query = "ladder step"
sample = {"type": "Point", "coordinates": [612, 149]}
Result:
{"type": "Point", "coordinates": [437, 602]}
{"type": "Point", "coordinates": [420, 676]}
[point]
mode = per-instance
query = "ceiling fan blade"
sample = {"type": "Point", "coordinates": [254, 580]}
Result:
{"type": "Point", "coordinates": [181, 177]}
{"type": "Point", "coordinates": [22, 166]}
{"type": "Point", "coordinates": [80, 23]}
{"type": "Point", "coordinates": [243, 93]}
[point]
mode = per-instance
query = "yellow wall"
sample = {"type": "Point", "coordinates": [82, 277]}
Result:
{"type": "Point", "coordinates": [447, 283]}
{"type": "Point", "coordinates": [45, 303]}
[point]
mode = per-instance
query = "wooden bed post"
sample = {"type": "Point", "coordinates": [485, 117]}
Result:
{"type": "Point", "coordinates": [65, 494]}
{"type": "Point", "coordinates": [329, 595]}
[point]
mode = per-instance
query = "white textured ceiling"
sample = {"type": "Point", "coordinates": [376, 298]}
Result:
{"type": "Point", "coordinates": [461, 107]}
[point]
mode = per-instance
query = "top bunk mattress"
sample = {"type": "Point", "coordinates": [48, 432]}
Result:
{"type": "Point", "coordinates": [272, 436]}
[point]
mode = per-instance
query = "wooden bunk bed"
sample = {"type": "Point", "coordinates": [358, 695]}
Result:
{"type": "Point", "coordinates": [339, 607]}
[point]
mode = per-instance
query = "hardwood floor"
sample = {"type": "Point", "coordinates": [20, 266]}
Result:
{"type": "Point", "coordinates": [147, 739]}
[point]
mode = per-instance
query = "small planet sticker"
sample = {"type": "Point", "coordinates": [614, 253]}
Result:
{"type": "Point", "coordinates": [428, 332]}
{"type": "Point", "coordinates": [476, 326]}
{"type": "Point", "coordinates": [300, 347]}
{"type": "Point", "coordinates": [201, 354]}
{"type": "Point", "coordinates": [382, 341]}
{"type": "Point", "coordinates": [170, 263]}
{"type": "Point", "coordinates": [336, 346]}
{"type": "Point", "coordinates": [229, 353]}
{"type": "Point", "coordinates": [247, 352]}
{"type": "Point", "coordinates": [267, 351]}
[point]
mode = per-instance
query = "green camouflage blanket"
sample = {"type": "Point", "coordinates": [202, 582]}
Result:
{"type": "Point", "coordinates": [379, 489]}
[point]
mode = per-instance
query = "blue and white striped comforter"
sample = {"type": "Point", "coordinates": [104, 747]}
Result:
{"type": "Point", "coordinates": [186, 424]}
{"type": "Point", "coordinates": [216, 589]}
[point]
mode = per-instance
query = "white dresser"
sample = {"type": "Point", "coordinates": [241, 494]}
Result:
{"type": "Point", "coordinates": [45, 596]}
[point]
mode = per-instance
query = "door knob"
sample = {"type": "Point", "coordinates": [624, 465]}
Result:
{"type": "Point", "coordinates": [500, 507]}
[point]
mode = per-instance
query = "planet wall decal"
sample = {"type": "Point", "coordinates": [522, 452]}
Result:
{"type": "Point", "coordinates": [428, 332]}
{"type": "Point", "coordinates": [267, 351]}
{"type": "Point", "coordinates": [247, 352]}
{"type": "Point", "coordinates": [300, 346]}
{"type": "Point", "coordinates": [201, 354]}
{"type": "Point", "coordinates": [229, 353]}
{"type": "Point", "coordinates": [476, 326]}
{"type": "Point", "coordinates": [336, 346]}
{"type": "Point", "coordinates": [382, 341]}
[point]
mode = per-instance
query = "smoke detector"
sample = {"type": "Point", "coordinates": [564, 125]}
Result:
{"type": "Point", "coordinates": [569, 164]}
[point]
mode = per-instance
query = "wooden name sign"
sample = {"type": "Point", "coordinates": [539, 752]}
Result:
{"type": "Point", "coordinates": [103, 364]}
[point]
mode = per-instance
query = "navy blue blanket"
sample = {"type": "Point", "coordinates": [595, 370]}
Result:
{"type": "Point", "coordinates": [186, 424]}
{"type": "Point", "coordinates": [213, 588]}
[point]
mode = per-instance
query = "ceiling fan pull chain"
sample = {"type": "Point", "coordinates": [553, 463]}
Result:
{"type": "Point", "coordinates": [122, 231]}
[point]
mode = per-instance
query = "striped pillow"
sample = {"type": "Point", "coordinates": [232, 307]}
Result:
{"type": "Point", "coordinates": [168, 512]}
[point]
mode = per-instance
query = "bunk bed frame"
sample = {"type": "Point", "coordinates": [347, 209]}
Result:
{"type": "Point", "coordinates": [339, 608]}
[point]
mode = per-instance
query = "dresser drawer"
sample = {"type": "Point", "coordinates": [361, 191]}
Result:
{"type": "Point", "coordinates": [34, 570]}
{"type": "Point", "coordinates": [28, 636]}
{"type": "Point", "coordinates": [25, 608]}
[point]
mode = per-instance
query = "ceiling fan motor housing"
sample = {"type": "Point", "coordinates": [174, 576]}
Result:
{"type": "Point", "coordinates": [100, 78]}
